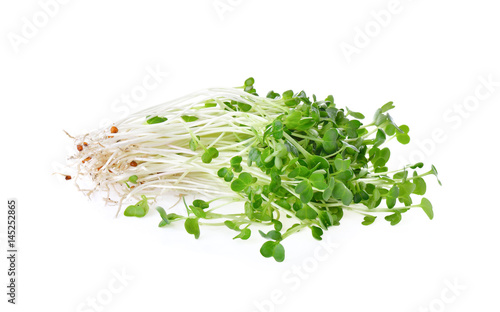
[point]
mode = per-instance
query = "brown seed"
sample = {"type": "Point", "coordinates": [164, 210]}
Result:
{"type": "Point", "coordinates": [110, 136]}
{"type": "Point", "coordinates": [99, 168]}
{"type": "Point", "coordinates": [133, 163]}
{"type": "Point", "coordinates": [114, 129]}
{"type": "Point", "coordinates": [86, 159]}
{"type": "Point", "coordinates": [79, 147]}
{"type": "Point", "coordinates": [68, 177]}
{"type": "Point", "coordinates": [85, 144]}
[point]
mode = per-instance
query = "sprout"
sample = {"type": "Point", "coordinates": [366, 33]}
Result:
{"type": "Point", "coordinates": [281, 156]}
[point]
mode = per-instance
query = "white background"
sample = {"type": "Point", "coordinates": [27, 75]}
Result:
{"type": "Point", "coordinates": [428, 57]}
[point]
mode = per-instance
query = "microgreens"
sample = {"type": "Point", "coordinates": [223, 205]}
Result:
{"type": "Point", "coordinates": [293, 161]}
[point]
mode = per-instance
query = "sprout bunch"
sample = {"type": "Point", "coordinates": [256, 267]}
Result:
{"type": "Point", "coordinates": [294, 163]}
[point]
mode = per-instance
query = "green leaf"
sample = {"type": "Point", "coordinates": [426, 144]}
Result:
{"type": "Point", "coordinates": [193, 145]}
{"type": "Point", "coordinates": [163, 215]}
{"type": "Point", "coordinates": [273, 234]}
{"type": "Point", "coordinates": [238, 185]}
{"type": "Point", "coordinates": [341, 192]}
{"type": "Point", "coordinates": [392, 196]}
{"type": "Point", "coordinates": [277, 129]}
{"type": "Point", "coordinates": [244, 234]}
{"type": "Point", "coordinates": [368, 220]}
{"type": "Point", "coordinates": [327, 193]}
{"type": "Point", "coordinates": [245, 179]}
{"type": "Point", "coordinates": [198, 212]}
{"type": "Point", "coordinates": [386, 107]}
{"type": "Point", "coordinates": [277, 225]}
{"type": "Point", "coordinates": [192, 227]}
{"type": "Point", "coordinates": [317, 232]}
{"type": "Point", "coordinates": [267, 249]}
{"type": "Point", "coordinates": [249, 82]}
{"type": "Point", "coordinates": [427, 207]}
{"type": "Point", "coordinates": [394, 218]}
{"type": "Point", "coordinates": [330, 141]}
{"type": "Point", "coordinates": [355, 114]}
{"type": "Point", "coordinates": [403, 137]}
{"type": "Point", "coordinates": [244, 107]}
{"type": "Point", "coordinates": [231, 225]}
{"type": "Point", "coordinates": [156, 119]}
{"type": "Point", "coordinates": [209, 154]}
{"type": "Point", "coordinates": [341, 165]}
{"type": "Point", "coordinates": [417, 165]}
{"type": "Point", "coordinates": [420, 186]}
{"type": "Point", "coordinates": [306, 212]}
{"type": "Point", "coordinates": [318, 181]}
{"type": "Point", "coordinates": [189, 118]}
{"type": "Point", "coordinates": [326, 219]}
{"type": "Point", "coordinates": [406, 188]}
{"type": "Point", "coordinates": [133, 178]}
{"type": "Point", "coordinates": [200, 204]}
{"type": "Point", "coordinates": [435, 173]}
{"type": "Point", "coordinates": [390, 129]}
{"type": "Point", "coordinates": [138, 210]}
{"type": "Point", "coordinates": [222, 172]}
{"type": "Point", "coordinates": [305, 190]}
{"type": "Point", "coordinates": [293, 119]}
{"type": "Point", "coordinates": [272, 95]}
{"type": "Point", "coordinates": [249, 210]}
{"type": "Point", "coordinates": [380, 138]}
{"type": "Point", "coordinates": [169, 218]}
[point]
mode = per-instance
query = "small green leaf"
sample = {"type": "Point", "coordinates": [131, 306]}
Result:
{"type": "Point", "coordinates": [368, 220]}
{"type": "Point", "coordinates": [192, 227]}
{"type": "Point", "coordinates": [156, 119]}
{"type": "Point", "coordinates": [244, 234]}
{"type": "Point", "coordinates": [277, 225]}
{"type": "Point", "coordinates": [355, 114]}
{"type": "Point", "coordinates": [341, 192]}
{"type": "Point", "coordinates": [306, 212]}
{"type": "Point", "coordinates": [392, 196]}
{"type": "Point", "coordinates": [273, 249]}
{"type": "Point", "coordinates": [200, 204]}
{"type": "Point", "coordinates": [193, 145]}
{"type": "Point", "coordinates": [138, 210]}
{"type": "Point", "coordinates": [427, 207]}
{"type": "Point", "coordinates": [386, 107]}
{"type": "Point", "coordinates": [231, 225]}
{"type": "Point", "coordinates": [394, 218]}
{"type": "Point", "coordinates": [380, 138]}
{"type": "Point", "coordinates": [198, 212]}
{"type": "Point", "coordinates": [403, 137]}
{"type": "Point", "coordinates": [330, 141]}
{"type": "Point", "coordinates": [317, 232]}
{"type": "Point", "coordinates": [390, 129]}
{"type": "Point", "coordinates": [434, 172]}
{"type": "Point", "coordinates": [341, 165]}
{"type": "Point", "coordinates": [318, 181]}
{"type": "Point", "coordinates": [244, 107]}
{"type": "Point", "coordinates": [249, 82]}
{"type": "Point", "coordinates": [245, 179]}
{"type": "Point", "coordinates": [209, 154]}
{"type": "Point", "coordinates": [420, 186]}
{"type": "Point", "coordinates": [163, 215]}
{"type": "Point", "coordinates": [305, 190]}
{"type": "Point", "coordinates": [267, 249]}
{"type": "Point", "coordinates": [273, 234]}
{"type": "Point", "coordinates": [189, 118]}
{"type": "Point", "coordinates": [417, 165]}
{"type": "Point", "coordinates": [133, 178]}
{"type": "Point", "coordinates": [277, 129]}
